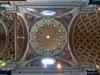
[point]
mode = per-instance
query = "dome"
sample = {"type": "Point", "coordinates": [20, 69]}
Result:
{"type": "Point", "coordinates": [48, 36]}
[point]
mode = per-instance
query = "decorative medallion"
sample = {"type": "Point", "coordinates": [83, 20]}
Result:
{"type": "Point", "coordinates": [48, 36]}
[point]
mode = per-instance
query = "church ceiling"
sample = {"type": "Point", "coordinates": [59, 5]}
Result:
{"type": "Point", "coordinates": [2, 37]}
{"type": "Point", "coordinates": [13, 38]}
{"type": "Point", "coordinates": [53, 45]}
{"type": "Point", "coordinates": [60, 11]}
{"type": "Point", "coordinates": [67, 38]}
{"type": "Point", "coordinates": [21, 38]}
{"type": "Point", "coordinates": [84, 37]}
{"type": "Point", "coordinates": [8, 52]}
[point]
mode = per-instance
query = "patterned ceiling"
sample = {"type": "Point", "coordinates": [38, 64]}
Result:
{"type": "Point", "coordinates": [48, 36]}
{"type": "Point", "coordinates": [81, 30]}
{"type": "Point", "coordinates": [2, 38]}
{"type": "Point", "coordinates": [12, 49]}
{"type": "Point", "coordinates": [84, 37]}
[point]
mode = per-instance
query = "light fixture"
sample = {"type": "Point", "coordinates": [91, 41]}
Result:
{"type": "Point", "coordinates": [58, 66]}
{"type": "Point", "coordinates": [30, 9]}
{"type": "Point", "coordinates": [48, 36]}
{"type": "Point", "coordinates": [48, 61]}
{"type": "Point", "coordinates": [48, 13]}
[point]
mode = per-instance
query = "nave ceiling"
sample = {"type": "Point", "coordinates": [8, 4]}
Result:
{"type": "Point", "coordinates": [71, 36]}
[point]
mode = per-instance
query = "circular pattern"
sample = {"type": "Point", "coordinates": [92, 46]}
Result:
{"type": "Point", "coordinates": [85, 37]}
{"type": "Point", "coordinates": [48, 36]}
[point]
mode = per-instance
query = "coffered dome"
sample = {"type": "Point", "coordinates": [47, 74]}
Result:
{"type": "Point", "coordinates": [48, 36]}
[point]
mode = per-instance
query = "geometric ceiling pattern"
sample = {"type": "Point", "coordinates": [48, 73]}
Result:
{"type": "Point", "coordinates": [41, 26]}
{"type": "Point", "coordinates": [48, 36]}
{"type": "Point", "coordinates": [2, 38]}
{"type": "Point", "coordinates": [48, 32]}
{"type": "Point", "coordinates": [7, 53]}
{"type": "Point", "coordinates": [84, 37]}
{"type": "Point", "coordinates": [12, 37]}
{"type": "Point", "coordinates": [17, 32]}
